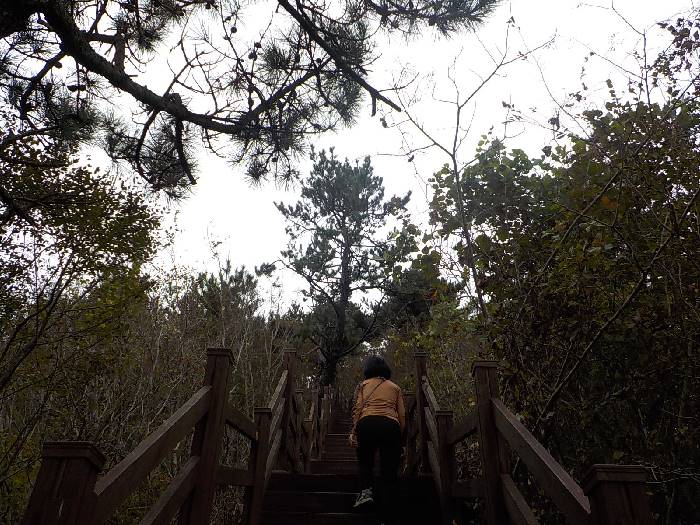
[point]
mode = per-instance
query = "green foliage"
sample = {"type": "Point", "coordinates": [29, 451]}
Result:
{"type": "Point", "coordinates": [73, 245]}
{"type": "Point", "coordinates": [588, 257]}
{"type": "Point", "coordinates": [341, 244]}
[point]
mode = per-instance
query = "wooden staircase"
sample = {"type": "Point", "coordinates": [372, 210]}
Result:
{"type": "Point", "coordinates": [301, 470]}
{"type": "Point", "coordinates": [325, 496]}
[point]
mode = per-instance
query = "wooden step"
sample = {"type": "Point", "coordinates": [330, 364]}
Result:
{"type": "Point", "coordinates": [317, 518]}
{"type": "Point", "coordinates": [339, 454]}
{"type": "Point", "coordinates": [348, 451]}
{"type": "Point", "coordinates": [283, 481]}
{"type": "Point", "coordinates": [280, 481]}
{"type": "Point", "coordinates": [304, 501]}
{"type": "Point", "coordinates": [337, 437]}
{"type": "Point", "coordinates": [333, 466]}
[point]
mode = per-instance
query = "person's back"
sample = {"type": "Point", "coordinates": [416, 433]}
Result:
{"type": "Point", "coordinates": [379, 397]}
{"type": "Point", "coordinates": [379, 422]}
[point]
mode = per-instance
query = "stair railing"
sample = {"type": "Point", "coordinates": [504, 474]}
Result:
{"type": "Point", "coordinates": [411, 459]}
{"type": "Point", "coordinates": [69, 489]}
{"type": "Point", "coordinates": [612, 494]}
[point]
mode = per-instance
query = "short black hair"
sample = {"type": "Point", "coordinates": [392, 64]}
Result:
{"type": "Point", "coordinates": [376, 366]}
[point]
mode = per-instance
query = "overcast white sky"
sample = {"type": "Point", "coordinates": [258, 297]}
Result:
{"type": "Point", "coordinates": [224, 208]}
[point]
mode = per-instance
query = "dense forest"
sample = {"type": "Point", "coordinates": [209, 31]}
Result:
{"type": "Point", "coordinates": [577, 267]}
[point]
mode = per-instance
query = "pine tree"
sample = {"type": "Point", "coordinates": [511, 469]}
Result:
{"type": "Point", "coordinates": [340, 243]}
{"type": "Point", "coordinates": [264, 93]}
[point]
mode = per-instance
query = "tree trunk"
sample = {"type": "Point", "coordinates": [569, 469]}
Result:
{"type": "Point", "coordinates": [340, 341]}
{"type": "Point", "coordinates": [329, 372]}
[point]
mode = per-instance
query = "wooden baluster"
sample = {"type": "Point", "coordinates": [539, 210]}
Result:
{"type": "Point", "coordinates": [447, 460]}
{"type": "Point", "coordinates": [286, 448]}
{"type": "Point", "coordinates": [325, 416]}
{"type": "Point", "coordinates": [208, 435]}
{"type": "Point", "coordinates": [421, 358]}
{"type": "Point", "coordinates": [64, 491]}
{"type": "Point", "coordinates": [299, 444]}
{"type": "Point", "coordinates": [491, 445]}
{"type": "Point", "coordinates": [331, 407]}
{"type": "Point", "coordinates": [258, 459]}
{"type": "Point", "coordinates": [617, 494]}
{"type": "Point", "coordinates": [410, 426]}
{"type": "Point", "coordinates": [312, 422]}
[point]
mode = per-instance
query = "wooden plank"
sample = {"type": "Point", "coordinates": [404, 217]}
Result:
{"type": "Point", "coordinates": [518, 509]}
{"type": "Point", "coordinates": [410, 404]}
{"type": "Point", "coordinates": [468, 488]}
{"type": "Point", "coordinates": [618, 494]}
{"type": "Point", "coordinates": [240, 422]}
{"type": "Point", "coordinates": [278, 394]}
{"type": "Point", "coordinates": [170, 501]}
{"type": "Point", "coordinates": [430, 396]}
{"type": "Point", "coordinates": [421, 359]}
{"type": "Point", "coordinates": [239, 477]}
{"type": "Point", "coordinates": [446, 457]}
{"type": "Point", "coordinates": [293, 426]}
{"type": "Point", "coordinates": [463, 429]}
{"type": "Point", "coordinates": [276, 420]}
{"type": "Point", "coordinates": [65, 485]}
{"type": "Point", "coordinates": [295, 403]}
{"type": "Point", "coordinates": [554, 480]}
{"type": "Point", "coordinates": [434, 466]}
{"type": "Point", "coordinates": [258, 460]}
{"type": "Point", "coordinates": [274, 451]}
{"type": "Point", "coordinates": [494, 459]}
{"type": "Point", "coordinates": [116, 485]}
{"type": "Point", "coordinates": [432, 426]}
{"type": "Point", "coordinates": [312, 408]}
{"type": "Point", "coordinates": [207, 439]}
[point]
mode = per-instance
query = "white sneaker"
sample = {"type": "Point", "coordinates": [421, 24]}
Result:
{"type": "Point", "coordinates": [364, 497]}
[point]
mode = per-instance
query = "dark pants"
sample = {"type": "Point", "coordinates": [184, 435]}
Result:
{"type": "Point", "coordinates": [383, 434]}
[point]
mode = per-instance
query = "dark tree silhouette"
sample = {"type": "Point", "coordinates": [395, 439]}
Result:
{"type": "Point", "coordinates": [265, 91]}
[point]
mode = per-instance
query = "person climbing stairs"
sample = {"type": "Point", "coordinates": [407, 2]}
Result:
{"type": "Point", "coordinates": [326, 495]}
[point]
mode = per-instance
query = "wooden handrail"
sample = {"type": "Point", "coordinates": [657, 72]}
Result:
{"type": "Point", "coordinates": [276, 423]}
{"type": "Point", "coordinates": [278, 395]}
{"type": "Point", "coordinates": [173, 497]}
{"type": "Point", "coordinates": [613, 494]}
{"type": "Point", "coordinates": [274, 452]}
{"type": "Point", "coordinates": [432, 426]}
{"type": "Point", "coordinates": [518, 510]}
{"type": "Point", "coordinates": [435, 465]}
{"type": "Point", "coordinates": [463, 429]}
{"type": "Point", "coordinates": [430, 395]}
{"type": "Point", "coordinates": [115, 486]}
{"type": "Point", "coordinates": [240, 422]}
{"type": "Point", "coordinates": [554, 480]}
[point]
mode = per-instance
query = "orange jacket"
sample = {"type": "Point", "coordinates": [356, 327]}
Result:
{"type": "Point", "coordinates": [386, 400]}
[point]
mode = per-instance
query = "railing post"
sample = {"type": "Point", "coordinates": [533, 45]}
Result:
{"type": "Point", "coordinates": [409, 399]}
{"type": "Point", "coordinates": [258, 459]}
{"type": "Point", "coordinates": [421, 358]}
{"type": "Point", "coordinates": [206, 442]}
{"type": "Point", "coordinates": [285, 454]}
{"type": "Point", "coordinates": [617, 494]}
{"type": "Point", "coordinates": [64, 491]}
{"type": "Point", "coordinates": [491, 445]}
{"type": "Point", "coordinates": [447, 458]}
